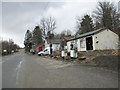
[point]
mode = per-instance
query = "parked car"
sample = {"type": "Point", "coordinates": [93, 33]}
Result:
{"type": "Point", "coordinates": [46, 51]}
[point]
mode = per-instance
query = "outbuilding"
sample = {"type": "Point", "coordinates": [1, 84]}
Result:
{"type": "Point", "coordinates": [100, 39]}
{"type": "Point", "coordinates": [55, 43]}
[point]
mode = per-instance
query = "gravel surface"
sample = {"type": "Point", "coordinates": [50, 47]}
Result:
{"type": "Point", "coordinates": [106, 62]}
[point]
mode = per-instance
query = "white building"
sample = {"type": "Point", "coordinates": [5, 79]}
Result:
{"type": "Point", "coordinates": [100, 39]}
{"type": "Point", "coordinates": [55, 43]}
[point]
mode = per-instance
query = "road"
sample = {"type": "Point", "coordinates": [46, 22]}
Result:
{"type": "Point", "coordinates": [31, 71]}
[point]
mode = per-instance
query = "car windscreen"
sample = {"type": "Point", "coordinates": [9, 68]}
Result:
{"type": "Point", "coordinates": [45, 50]}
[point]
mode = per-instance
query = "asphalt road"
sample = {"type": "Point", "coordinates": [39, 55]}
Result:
{"type": "Point", "coordinates": [10, 68]}
{"type": "Point", "coordinates": [31, 71]}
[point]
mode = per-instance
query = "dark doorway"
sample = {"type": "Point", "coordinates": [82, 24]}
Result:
{"type": "Point", "coordinates": [89, 43]}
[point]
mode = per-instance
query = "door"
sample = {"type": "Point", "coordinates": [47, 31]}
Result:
{"type": "Point", "coordinates": [89, 43]}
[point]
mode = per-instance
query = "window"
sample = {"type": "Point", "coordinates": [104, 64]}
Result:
{"type": "Point", "coordinates": [45, 50]}
{"type": "Point", "coordinates": [82, 43]}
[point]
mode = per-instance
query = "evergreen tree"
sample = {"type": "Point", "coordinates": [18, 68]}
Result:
{"type": "Point", "coordinates": [86, 24]}
{"type": "Point", "coordinates": [37, 36]}
{"type": "Point", "coordinates": [98, 25]}
{"type": "Point", "coordinates": [28, 41]}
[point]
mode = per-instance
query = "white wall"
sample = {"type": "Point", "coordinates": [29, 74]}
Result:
{"type": "Point", "coordinates": [77, 42]}
{"type": "Point", "coordinates": [56, 46]}
{"type": "Point", "coordinates": [106, 40]}
{"type": "Point", "coordinates": [74, 42]}
{"type": "Point", "coordinates": [68, 46]}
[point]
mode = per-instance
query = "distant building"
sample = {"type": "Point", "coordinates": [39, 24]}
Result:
{"type": "Point", "coordinates": [100, 39]}
{"type": "Point", "coordinates": [55, 43]}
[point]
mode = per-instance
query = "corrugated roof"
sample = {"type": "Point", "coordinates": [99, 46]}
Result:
{"type": "Point", "coordinates": [54, 41]}
{"type": "Point", "coordinates": [87, 34]}
{"type": "Point", "coordinates": [68, 37]}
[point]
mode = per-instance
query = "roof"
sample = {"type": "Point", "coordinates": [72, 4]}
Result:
{"type": "Point", "coordinates": [88, 34]}
{"type": "Point", "coordinates": [68, 37]}
{"type": "Point", "coordinates": [54, 41]}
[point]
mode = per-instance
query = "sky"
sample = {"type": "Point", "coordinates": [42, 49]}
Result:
{"type": "Point", "coordinates": [18, 17]}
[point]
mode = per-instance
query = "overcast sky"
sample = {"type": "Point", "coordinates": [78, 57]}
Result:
{"type": "Point", "coordinates": [18, 17]}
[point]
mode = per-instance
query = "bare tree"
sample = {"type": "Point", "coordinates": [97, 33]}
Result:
{"type": "Point", "coordinates": [9, 46]}
{"type": "Point", "coordinates": [66, 33]}
{"type": "Point", "coordinates": [51, 24]}
{"type": "Point", "coordinates": [106, 15]}
{"type": "Point", "coordinates": [43, 27]}
{"type": "Point", "coordinates": [48, 26]}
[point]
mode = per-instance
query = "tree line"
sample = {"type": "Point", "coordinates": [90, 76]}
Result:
{"type": "Point", "coordinates": [105, 15]}
{"type": "Point", "coordinates": [41, 32]}
{"type": "Point", "coordinates": [8, 47]}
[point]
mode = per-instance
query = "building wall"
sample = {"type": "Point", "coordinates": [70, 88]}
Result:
{"type": "Point", "coordinates": [74, 42]}
{"type": "Point", "coordinates": [68, 45]}
{"type": "Point", "coordinates": [79, 43]}
{"type": "Point", "coordinates": [56, 47]}
{"type": "Point", "coordinates": [105, 40]}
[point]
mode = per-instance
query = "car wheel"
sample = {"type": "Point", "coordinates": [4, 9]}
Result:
{"type": "Point", "coordinates": [39, 54]}
{"type": "Point", "coordinates": [33, 53]}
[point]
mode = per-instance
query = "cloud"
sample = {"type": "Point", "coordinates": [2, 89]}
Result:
{"type": "Point", "coordinates": [66, 15]}
{"type": "Point", "coordinates": [20, 16]}
{"type": "Point", "coordinates": [17, 17]}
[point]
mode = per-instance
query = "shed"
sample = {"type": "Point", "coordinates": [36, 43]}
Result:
{"type": "Point", "coordinates": [55, 43]}
{"type": "Point", "coordinates": [100, 39]}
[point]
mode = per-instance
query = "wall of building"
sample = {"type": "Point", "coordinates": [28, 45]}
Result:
{"type": "Point", "coordinates": [79, 43]}
{"type": "Point", "coordinates": [68, 45]}
{"type": "Point", "coordinates": [56, 46]}
{"type": "Point", "coordinates": [74, 42]}
{"type": "Point", "coordinates": [105, 40]}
